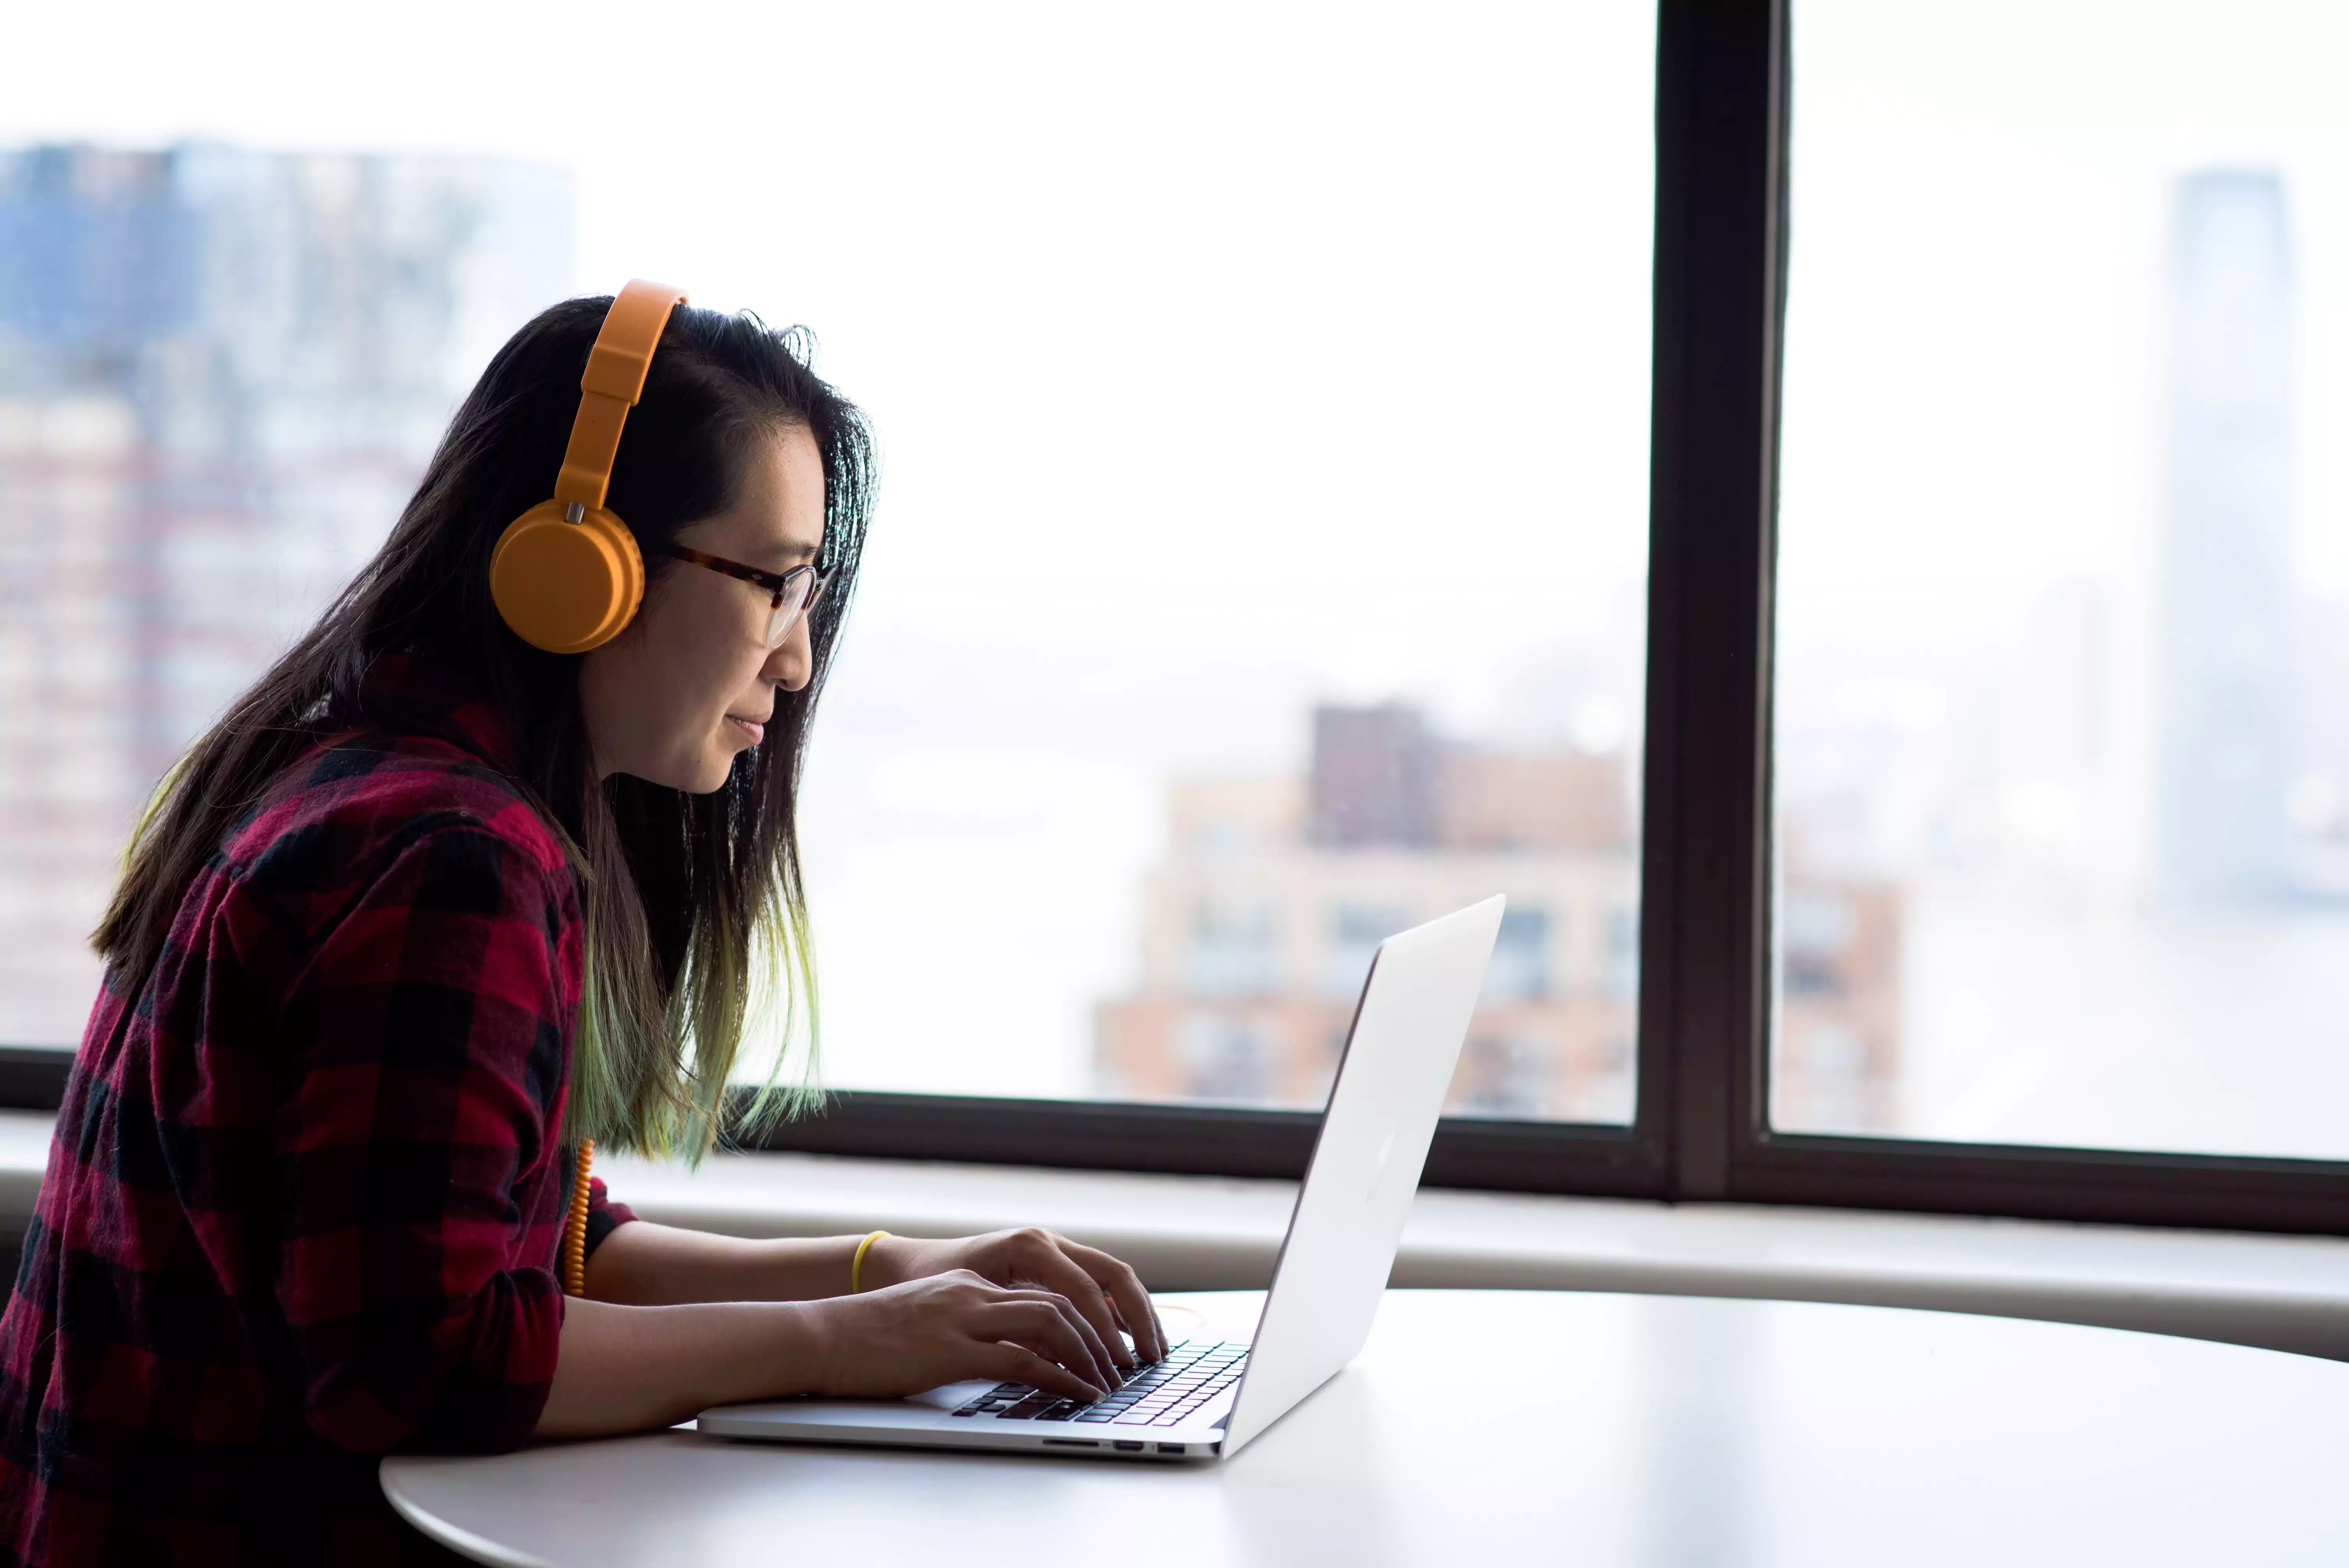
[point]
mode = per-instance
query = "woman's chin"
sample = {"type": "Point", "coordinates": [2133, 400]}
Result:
{"type": "Point", "coordinates": [717, 764]}
{"type": "Point", "coordinates": [704, 773]}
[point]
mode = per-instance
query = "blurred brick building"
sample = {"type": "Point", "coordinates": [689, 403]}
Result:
{"type": "Point", "coordinates": [1258, 928]}
{"type": "Point", "coordinates": [220, 375]}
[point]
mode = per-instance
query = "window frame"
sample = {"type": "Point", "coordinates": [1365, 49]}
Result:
{"type": "Point", "coordinates": [1701, 1130]}
{"type": "Point", "coordinates": [1722, 115]}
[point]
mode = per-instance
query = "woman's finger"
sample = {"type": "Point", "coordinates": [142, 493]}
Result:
{"type": "Point", "coordinates": [1007, 1362]}
{"type": "Point", "coordinates": [1123, 1287]}
{"type": "Point", "coordinates": [1048, 1336]}
{"type": "Point", "coordinates": [1046, 1324]}
{"type": "Point", "coordinates": [1104, 1354]}
{"type": "Point", "coordinates": [1103, 1350]}
{"type": "Point", "coordinates": [1057, 1271]}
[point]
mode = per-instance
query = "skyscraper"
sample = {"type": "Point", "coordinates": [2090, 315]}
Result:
{"type": "Point", "coordinates": [220, 374]}
{"type": "Point", "coordinates": [2222, 832]}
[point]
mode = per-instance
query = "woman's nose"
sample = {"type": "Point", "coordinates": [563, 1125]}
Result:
{"type": "Point", "coordinates": [793, 661]}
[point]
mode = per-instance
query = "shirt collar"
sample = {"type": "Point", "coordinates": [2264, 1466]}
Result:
{"type": "Point", "coordinates": [414, 692]}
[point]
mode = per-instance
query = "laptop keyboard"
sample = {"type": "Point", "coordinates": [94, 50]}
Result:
{"type": "Point", "coordinates": [1158, 1395]}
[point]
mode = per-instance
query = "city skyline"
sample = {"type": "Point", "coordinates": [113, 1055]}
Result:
{"type": "Point", "coordinates": [220, 374]}
{"type": "Point", "coordinates": [2023, 755]}
{"type": "Point", "coordinates": [2113, 799]}
{"type": "Point", "coordinates": [2162, 723]}
{"type": "Point", "coordinates": [2229, 736]}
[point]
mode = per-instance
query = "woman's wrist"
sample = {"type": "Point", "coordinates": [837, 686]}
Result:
{"type": "Point", "coordinates": [859, 1277]}
{"type": "Point", "coordinates": [627, 1369]}
{"type": "Point", "coordinates": [808, 1343]}
{"type": "Point", "coordinates": [887, 1261]}
{"type": "Point", "coordinates": [758, 1350]}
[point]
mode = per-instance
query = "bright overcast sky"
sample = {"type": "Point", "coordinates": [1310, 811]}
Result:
{"type": "Point", "coordinates": [1227, 260]}
{"type": "Point", "coordinates": [1284, 320]}
{"type": "Point", "coordinates": [1977, 332]}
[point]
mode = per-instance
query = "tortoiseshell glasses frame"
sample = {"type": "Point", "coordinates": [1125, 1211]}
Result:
{"type": "Point", "coordinates": [793, 592]}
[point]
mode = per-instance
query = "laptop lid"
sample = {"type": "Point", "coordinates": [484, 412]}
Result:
{"type": "Point", "coordinates": [1399, 1055]}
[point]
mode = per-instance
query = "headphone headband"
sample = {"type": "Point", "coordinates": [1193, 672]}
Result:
{"type": "Point", "coordinates": [615, 379]}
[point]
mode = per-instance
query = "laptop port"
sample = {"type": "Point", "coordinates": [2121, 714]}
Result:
{"type": "Point", "coordinates": [1171, 1449]}
{"type": "Point", "coordinates": [1127, 1448]}
{"type": "Point", "coordinates": [1070, 1443]}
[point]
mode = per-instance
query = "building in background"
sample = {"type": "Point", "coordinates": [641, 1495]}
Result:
{"type": "Point", "coordinates": [220, 375]}
{"type": "Point", "coordinates": [2226, 666]}
{"type": "Point", "coordinates": [1836, 1058]}
{"type": "Point", "coordinates": [1257, 931]}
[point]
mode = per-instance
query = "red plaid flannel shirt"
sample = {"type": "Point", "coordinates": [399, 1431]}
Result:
{"type": "Point", "coordinates": [305, 1190]}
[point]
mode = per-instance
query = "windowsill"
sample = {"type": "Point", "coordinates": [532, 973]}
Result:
{"type": "Point", "coordinates": [1190, 1232]}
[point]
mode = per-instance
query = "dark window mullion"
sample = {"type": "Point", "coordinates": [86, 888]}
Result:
{"type": "Point", "coordinates": [1705, 877]}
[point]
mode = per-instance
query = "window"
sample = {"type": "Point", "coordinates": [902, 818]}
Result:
{"type": "Point", "coordinates": [1234, 951]}
{"type": "Point", "coordinates": [2063, 700]}
{"type": "Point", "coordinates": [1221, 1058]}
{"type": "Point", "coordinates": [1519, 970]}
{"type": "Point", "coordinates": [1506, 1075]}
{"type": "Point", "coordinates": [1303, 648]}
{"type": "Point", "coordinates": [1208, 633]}
{"type": "Point", "coordinates": [1859, 567]}
{"type": "Point", "coordinates": [220, 372]}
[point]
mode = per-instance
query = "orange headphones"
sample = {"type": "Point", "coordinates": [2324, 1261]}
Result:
{"type": "Point", "coordinates": [567, 575]}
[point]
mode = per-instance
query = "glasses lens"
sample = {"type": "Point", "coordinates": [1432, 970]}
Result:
{"type": "Point", "coordinates": [797, 586]}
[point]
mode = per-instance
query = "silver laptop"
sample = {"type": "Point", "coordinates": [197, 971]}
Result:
{"type": "Point", "coordinates": [1209, 1399]}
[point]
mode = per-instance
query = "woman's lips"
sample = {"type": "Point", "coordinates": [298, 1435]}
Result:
{"type": "Point", "coordinates": [751, 727]}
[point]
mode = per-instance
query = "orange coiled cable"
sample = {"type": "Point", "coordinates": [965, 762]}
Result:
{"type": "Point", "coordinates": [575, 1225]}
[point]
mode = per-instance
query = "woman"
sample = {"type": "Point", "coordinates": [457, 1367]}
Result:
{"type": "Point", "coordinates": [303, 1203]}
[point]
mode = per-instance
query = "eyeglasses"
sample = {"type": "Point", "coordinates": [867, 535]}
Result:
{"type": "Point", "coordinates": [795, 591]}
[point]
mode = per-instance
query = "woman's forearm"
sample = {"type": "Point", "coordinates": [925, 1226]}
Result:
{"type": "Point", "coordinates": [632, 1368]}
{"type": "Point", "coordinates": [675, 1321]}
{"type": "Point", "coordinates": [629, 1368]}
{"type": "Point", "coordinates": [644, 1265]}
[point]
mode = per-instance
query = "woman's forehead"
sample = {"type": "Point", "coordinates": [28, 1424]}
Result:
{"type": "Point", "coordinates": [780, 513]}
{"type": "Point", "coordinates": [796, 465]}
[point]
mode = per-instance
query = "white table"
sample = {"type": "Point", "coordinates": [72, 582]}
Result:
{"type": "Point", "coordinates": [1521, 1426]}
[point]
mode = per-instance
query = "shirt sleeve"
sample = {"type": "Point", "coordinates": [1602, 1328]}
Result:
{"type": "Point", "coordinates": [603, 1216]}
{"type": "Point", "coordinates": [427, 1038]}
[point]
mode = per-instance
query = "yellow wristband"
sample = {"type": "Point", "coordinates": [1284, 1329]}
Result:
{"type": "Point", "coordinates": [857, 1265]}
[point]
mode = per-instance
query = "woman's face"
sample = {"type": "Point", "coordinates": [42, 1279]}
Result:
{"type": "Point", "coordinates": [691, 681]}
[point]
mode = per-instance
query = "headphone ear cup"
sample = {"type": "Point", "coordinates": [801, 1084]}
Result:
{"type": "Point", "coordinates": [566, 587]}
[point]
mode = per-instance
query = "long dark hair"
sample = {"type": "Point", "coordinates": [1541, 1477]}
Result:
{"type": "Point", "coordinates": [695, 903]}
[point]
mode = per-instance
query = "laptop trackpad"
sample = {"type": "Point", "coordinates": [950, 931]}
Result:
{"type": "Point", "coordinates": [951, 1397]}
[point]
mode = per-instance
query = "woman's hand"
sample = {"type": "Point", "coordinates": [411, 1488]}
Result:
{"type": "Point", "coordinates": [952, 1327]}
{"type": "Point", "coordinates": [1106, 1294]}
